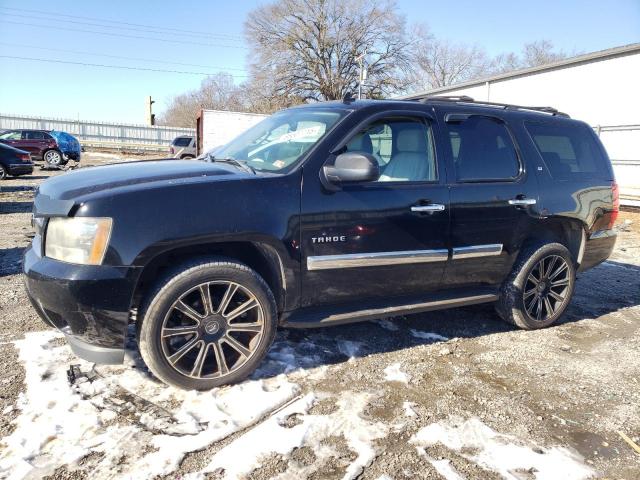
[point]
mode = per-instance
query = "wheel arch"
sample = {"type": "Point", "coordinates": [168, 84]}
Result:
{"type": "Point", "coordinates": [261, 257]}
{"type": "Point", "coordinates": [569, 232]}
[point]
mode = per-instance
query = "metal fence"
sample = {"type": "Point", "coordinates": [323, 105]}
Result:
{"type": "Point", "coordinates": [101, 134]}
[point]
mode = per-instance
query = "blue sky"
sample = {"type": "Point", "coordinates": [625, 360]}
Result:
{"type": "Point", "coordinates": [94, 93]}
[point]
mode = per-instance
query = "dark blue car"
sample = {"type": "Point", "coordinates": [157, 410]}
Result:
{"type": "Point", "coordinates": [14, 162]}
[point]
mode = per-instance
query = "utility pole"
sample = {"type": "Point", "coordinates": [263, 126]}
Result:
{"type": "Point", "coordinates": [151, 118]}
{"type": "Point", "coordinates": [363, 73]}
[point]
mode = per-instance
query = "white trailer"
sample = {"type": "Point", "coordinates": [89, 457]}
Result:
{"type": "Point", "coordinates": [217, 127]}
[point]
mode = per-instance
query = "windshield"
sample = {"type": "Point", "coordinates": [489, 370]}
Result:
{"type": "Point", "coordinates": [279, 141]}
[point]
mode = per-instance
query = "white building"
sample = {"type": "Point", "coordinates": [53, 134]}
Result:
{"type": "Point", "coordinates": [601, 88]}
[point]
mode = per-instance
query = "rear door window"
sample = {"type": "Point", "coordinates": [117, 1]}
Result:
{"type": "Point", "coordinates": [569, 151]}
{"type": "Point", "coordinates": [482, 150]}
{"type": "Point", "coordinates": [33, 135]}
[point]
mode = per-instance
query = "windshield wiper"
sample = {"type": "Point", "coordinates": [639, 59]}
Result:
{"type": "Point", "coordinates": [244, 166]}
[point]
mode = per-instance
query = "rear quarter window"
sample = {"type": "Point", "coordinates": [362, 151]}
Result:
{"type": "Point", "coordinates": [570, 152]}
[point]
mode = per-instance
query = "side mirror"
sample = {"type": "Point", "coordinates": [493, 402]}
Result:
{"type": "Point", "coordinates": [351, 167]}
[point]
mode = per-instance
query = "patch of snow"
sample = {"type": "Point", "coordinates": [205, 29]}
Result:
{"type": "Point", "coordinates": [349, 348]}
{"type": "Point", "coordinates": [444, 468]}
{"type": "Point", "coordinates": [247, 452]}
{"type": "Point", "coordinates": [393, 374]}
{"type": "Point", "coordinates": [427, 335]}
{"type": "Point", "coordinates": [388, 325]}
{"type": "Point", "coordinates": [501, 453]}
{"type": "Point", "coordinates": [409, 409]}
{"type": "Point", "coordinates": [59, 425]}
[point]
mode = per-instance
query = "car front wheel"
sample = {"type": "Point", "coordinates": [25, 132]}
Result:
{"type": "Point", "coordinates": [210, 323]}
{"type": "Point", "coordinates": [3, 173]}
{"type": "Point", "coordinates": [540, 287]}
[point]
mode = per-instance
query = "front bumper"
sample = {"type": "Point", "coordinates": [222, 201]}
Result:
{"type": "Point", "coordinates": [89, 304]}
{"type": "Point", "coordinates": [20, 168]}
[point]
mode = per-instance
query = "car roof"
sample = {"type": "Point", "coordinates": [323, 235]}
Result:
{"type": "Point", "coordinates": [450, 103]}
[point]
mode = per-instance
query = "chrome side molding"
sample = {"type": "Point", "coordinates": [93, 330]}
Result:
{"type": "Point", "coordinates": [475, 251]}
{"type": "Point", "coordinates": [376, 259]}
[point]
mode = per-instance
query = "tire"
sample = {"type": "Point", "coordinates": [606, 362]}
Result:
{"type": "Point", "coordinates": [3, 173]}
{"type": "Point", "coordinates": [530, 305]}
{"type": "Point", "coordinates": [53, 158]}
{"type": "Point", "coordinates": [177, 327]}
{"type": "Point", "coordinates": [187, 157]}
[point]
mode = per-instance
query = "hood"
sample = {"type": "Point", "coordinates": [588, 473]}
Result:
{"type": "Point", "coordinates": [84, 181]}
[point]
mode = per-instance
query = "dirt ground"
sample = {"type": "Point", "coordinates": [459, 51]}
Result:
{"type": "Point", "coordinates": [575, 385]}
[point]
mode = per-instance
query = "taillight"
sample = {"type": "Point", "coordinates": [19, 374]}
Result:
{"type": "Point", "coordinates": [25, 157]}
{"type": "Point", "coordinates": [615, 193]}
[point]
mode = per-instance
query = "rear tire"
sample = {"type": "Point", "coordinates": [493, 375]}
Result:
{"type": "Point", "coordinates": [539, 288]}
{"type": "Point", "coordinates": [192, 335]}
{"type": "Point", "coordinates": [3, 173]}
{"type": "Point", "coordinates": [53, 158]}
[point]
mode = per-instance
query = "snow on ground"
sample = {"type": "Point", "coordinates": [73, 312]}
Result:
{"type": "Point", "coordinates": [427, 335]}
{"type": "Point", "coordinates": [59, 425]}
{"type": "Point", "coordinates": [503, 454]}
{"type": "Point", "coordinates": [120, 423]}
{"type": "Point", "coordinates": [393, 374]}
{"type": "Point", "coordinates": [245, 454]}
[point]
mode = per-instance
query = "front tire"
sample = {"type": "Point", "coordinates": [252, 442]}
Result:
{"type": "Point", "coordinates": [207, 324]}
{"type": "Point", "coordinates": [53, 158]}
{"type": "Point", "coordinates": [3, 173]}
{"type": "Point", "coordinates": [539, 288]}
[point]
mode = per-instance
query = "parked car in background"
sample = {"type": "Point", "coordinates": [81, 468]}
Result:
{"type": "Point", "coordinates": [53, 147]}
{"type": "Point", "coordinates": [183, 147]}
{"type": "Point", "coordinates": [14, 162]}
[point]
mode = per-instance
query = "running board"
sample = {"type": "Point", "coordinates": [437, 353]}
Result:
{"type": "Point", "coordinates": [336, 315]}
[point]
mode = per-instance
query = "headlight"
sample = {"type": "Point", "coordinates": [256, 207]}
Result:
{"type": "Point", "coordinates": [80, 240]}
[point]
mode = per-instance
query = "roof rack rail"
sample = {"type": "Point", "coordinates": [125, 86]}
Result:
{"type": "Point", "coordinates": [505, 106]}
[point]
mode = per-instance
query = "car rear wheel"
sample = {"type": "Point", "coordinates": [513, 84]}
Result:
{"type": "Point", "coordinates": [540, 287]}
{"type": "Point", "coordinates": [3, 172]}
{"type": "Point", "coordinates": [53, 158]}
{"type": "Point", "coordinates": [187, 157]}
{"type": "Point", "coordinates": [210, 323]}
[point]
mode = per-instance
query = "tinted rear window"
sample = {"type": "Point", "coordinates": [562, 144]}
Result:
{"type": "Point", "coordinates": [482, 150]}
{"type": "Point", "coordinates": [569, 151]}
{"type": "Point", "coordinates": [182, 141]}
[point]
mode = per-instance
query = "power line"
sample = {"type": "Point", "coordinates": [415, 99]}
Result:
{"type": "Point", "coordinates": [194, 32]}
{"type": "Point", "coordinates": [123, 67]}
{"type": "Point", "coordinates": [135, 29]}
{"type": "Point", "coordinates": [129, 36]}
{"type": "Point", "coordinates": [120, 57]}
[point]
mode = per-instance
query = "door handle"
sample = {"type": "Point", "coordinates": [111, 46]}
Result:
{"type": "Point", "coordinates": [432, 207]}
{"type": "Point", "coordinates": [522, 202]}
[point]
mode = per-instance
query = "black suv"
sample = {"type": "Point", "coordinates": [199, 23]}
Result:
{"type": "Point", "coordinates": [319, 215]}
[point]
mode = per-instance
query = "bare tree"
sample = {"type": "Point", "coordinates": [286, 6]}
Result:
{"type": "Point", "coordinates": [439, 63]}
{"type": "Point", "coordinates": [218, 92]}
{"type": "Point", "coordinates": [310, 48]}
{"type": "Point", "coordinates": [534, 54]}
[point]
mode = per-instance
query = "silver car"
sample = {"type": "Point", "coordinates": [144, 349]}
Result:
{"type": "Point", "coordinates": [183, 147]}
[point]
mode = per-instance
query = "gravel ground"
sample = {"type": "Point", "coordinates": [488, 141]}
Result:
{"type": "Point", "coordinates": [574, 385]}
